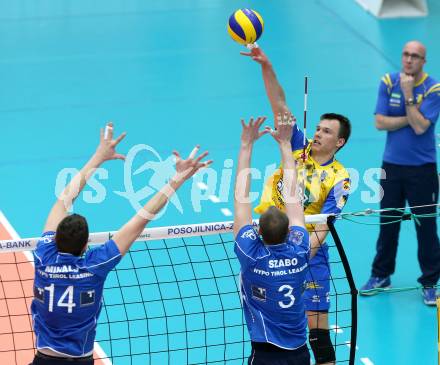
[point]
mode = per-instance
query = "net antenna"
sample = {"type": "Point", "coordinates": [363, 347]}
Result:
{"type": "Point", "coordinates": [306, 87]}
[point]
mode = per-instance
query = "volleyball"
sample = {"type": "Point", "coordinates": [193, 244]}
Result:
{"type": "Point", "coordinates": [245, 26]}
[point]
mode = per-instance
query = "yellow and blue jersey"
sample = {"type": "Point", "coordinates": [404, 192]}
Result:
{"type": "Point", "coordinates": [68, 295]}
{"type": "Point", "coordinates": [404, 146]}
{"type": "Point", "coordinates": [324, 188]}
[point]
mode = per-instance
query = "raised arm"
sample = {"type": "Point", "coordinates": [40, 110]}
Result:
{"type": "Point", "coordinates": [274, 91]}
{"type": "Point", "coordinates": [106, 151]}
{"type": "Point", "coordinates": [242, 204]}
{"type": "Point", "coordinates": [185, 169]}
{"type": "Point", "coordinates": [293, 206]}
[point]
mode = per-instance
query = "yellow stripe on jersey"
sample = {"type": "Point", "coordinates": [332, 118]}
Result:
{"type": "Point", "coordinates": [433, 89]}
{"type": "Point", "coordinates": [387, 80]}
{"type": "Point", "coordinates": [422, 80]}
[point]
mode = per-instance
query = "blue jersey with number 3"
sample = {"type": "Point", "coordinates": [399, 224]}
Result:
{"type": "Point", "coordinates": [272, 283]}
{"type": "Point", "coordinates": [68, 295]}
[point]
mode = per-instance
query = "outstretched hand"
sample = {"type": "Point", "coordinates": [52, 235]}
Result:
{"type": "Point", "coordinates": [251, 132]}
{"type": "Point", "coordinates": [185, 169]}
{"type": "Point", "coordinates": [257, 55]}
{"type": "Point", "coordinates": [107, 145]}
{"type": "Point", "coordinates": [283, 133]}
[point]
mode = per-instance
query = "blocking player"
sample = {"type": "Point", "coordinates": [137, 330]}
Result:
{"type": "Point", "coordinates": [69, 278]}
{"type": "Point", "coordinates": [325, 187]}
{"type": "Point", "coordinates": [273, 266]}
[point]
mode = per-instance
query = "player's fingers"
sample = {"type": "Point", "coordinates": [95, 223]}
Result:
{"type": "Point", "coordinates": [246, 54]}
{"type": "Point", "coordinates": [286, 118]}
{"type": "Point", "coordinates": [194, 152]}
{"type": "Point", "coordinates": [202, 165]}
{"type": "Point", "coordinates": [118, 156]}
{"type": "Point", "coordinates": [101, 134]}
{"type": "Point", "coordinates": [108, 133]}
{"type": "Point", "coordinates": [120, 138]}
{"type": "Point", "coordinates": [177, 155]}
{"type": "Point", "coordinates": [260, 121]}
{"type": "Point", "coordinates": [243, 123]}
{"type": "Point", "coordinates": [203, 155]}
{"type": "Point", "coordinates": [263, 132]}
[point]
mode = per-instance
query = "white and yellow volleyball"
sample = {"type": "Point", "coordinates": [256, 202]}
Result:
{"type": "Point", "coordinates": [245, 26]}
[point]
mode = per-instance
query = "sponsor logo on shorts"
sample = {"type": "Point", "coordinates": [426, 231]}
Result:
{"type": "Point", "coordinates": [258, 293]}
{"type": "Point", "coordinates": [87, 298]}
{"type": "Point", "coordinates": [313, 285]}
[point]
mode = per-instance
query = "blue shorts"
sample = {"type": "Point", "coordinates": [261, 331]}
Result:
{"type": "Point", "coordinates": [317, 292]}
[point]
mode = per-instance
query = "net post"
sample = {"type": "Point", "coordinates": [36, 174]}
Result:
{"type": "Point", "coordinates": [353, 290]}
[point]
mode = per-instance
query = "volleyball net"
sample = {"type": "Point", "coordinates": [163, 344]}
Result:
{"type": "Point", "coordinates": [173, 299]}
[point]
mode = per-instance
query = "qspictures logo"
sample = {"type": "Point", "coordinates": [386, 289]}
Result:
{"type": "Point", "coordinates": [145, 172]}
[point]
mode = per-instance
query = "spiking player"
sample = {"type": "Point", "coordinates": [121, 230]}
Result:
{"type": "Point", "coordinates": [325, 191]}
{"type": "Point", "coordinates": [69, 278]}
{"type": "Point", "coordinates": [272, 267]}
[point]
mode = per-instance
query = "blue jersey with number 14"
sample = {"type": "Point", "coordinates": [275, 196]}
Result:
{"type": "Point", "coordinates": [272, 282]}
{"type": "Point", "coordinates": [68, 295]}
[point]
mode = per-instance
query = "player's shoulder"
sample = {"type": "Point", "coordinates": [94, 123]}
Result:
{"type": "Point", "coordinates": [47, 237]}
{"type": "Point", "coordinates": [431, 85]}
{"type": "Point", "coordinates": [298, 240]}
{"type": "Point", "coordinates": [46, 247]}
{"type": "Point", "coordinates": [247, 232]}
{"type": "Point", "coordinates": [339, 170]}
{"type": "Point", "coordinates": [390, 79]}
{"type": "Point", "coordinates": [297, 235]}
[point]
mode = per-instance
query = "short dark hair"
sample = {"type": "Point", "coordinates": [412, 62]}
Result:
{"type": "Point", "coordinates": [72, 234]}
{"type": "Point", "coordinates": [344, 125]}
{"type": "Point", "coordinates": [274, 226]}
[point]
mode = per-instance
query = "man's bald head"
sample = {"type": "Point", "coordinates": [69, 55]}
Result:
{"type": "Point", "coordinates": [413, 59]}
{"type": "Point", "coordinates": [416, 45]}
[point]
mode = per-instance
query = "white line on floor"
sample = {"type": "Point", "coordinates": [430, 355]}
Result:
{"type": "Point", "coordinates": [366, 361]}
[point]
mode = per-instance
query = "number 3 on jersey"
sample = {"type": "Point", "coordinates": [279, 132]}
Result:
{"type": "Point", "coordinates": [291, 299]}
{"type": "Point", "coordinates": [69, 304]}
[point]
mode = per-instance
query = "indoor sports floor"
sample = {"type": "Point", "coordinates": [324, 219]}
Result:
{"type": "Point", "coordinates": [168, 74]}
